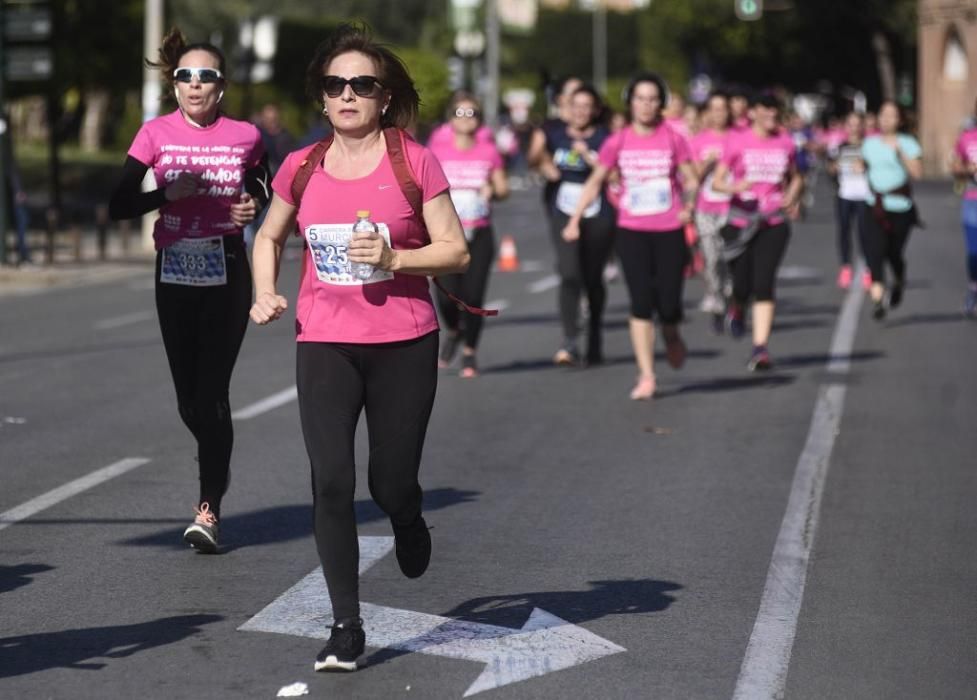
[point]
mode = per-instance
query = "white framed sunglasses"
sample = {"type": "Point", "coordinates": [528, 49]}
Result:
{"type": "Point", "coordinates": [204, 75]}
{"type": "Point", "coordinates": [469, 112]}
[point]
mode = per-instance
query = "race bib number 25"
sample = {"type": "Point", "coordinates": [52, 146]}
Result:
{"type": "Point", "coordinates": [329, 247]}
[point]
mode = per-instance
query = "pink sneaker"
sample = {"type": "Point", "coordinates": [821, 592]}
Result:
{"type": "Point", "coordinates": [866, 280]}
{"type": "Point", "coordinates": [844, 277]}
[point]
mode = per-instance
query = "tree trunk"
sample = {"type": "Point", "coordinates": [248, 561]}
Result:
{"type": "Point", "coordinates": [883, 61]}
{"type": "Point", "coordinates": [94, 119]}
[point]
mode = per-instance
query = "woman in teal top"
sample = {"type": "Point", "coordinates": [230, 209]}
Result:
{"type": "Point", "coordinates": [892, 160]}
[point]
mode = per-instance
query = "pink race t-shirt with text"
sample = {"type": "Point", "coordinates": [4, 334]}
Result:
{"type": "Point", "coordinates": [764, 162]}
{"type": "Point", "coordinates": [384, 311]}
{"type": "Point", "coordinates": [709, 146]}
{"type": "Point", "coordinates": [651, 196]}
{"type": "Point", "coordinates": [468, 171]}
{"type": "Point", "coordinates": [966, 151]}
{"type": "Point", "coordinates": [218, 155]}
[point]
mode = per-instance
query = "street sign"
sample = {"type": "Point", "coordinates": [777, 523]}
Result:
{"type": "Point", "coordinates": [29, 62]}
{"type": "Point", "coordinates": [32, 24]}
{"type": "Point", "coordinates": [748, 10]}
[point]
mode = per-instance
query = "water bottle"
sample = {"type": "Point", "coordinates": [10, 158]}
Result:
{"type": "Point", "coordinates": [363, 271]}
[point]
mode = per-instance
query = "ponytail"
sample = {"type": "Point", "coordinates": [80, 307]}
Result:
{"type": "Point", "coordinates": [172, 50]}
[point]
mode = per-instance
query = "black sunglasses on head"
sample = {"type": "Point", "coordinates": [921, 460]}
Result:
{"type": "Point", "coordinates": [363, 85]}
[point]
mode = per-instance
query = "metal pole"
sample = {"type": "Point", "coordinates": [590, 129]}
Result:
{"type": "Point", "coordinates": [152, 36]}
{"type": "Point", "coordinates": [600, 46]}
{"type": "Point", "coordinates": [5, 138]}
{"type": "Point", "coordinates": [492, 31]}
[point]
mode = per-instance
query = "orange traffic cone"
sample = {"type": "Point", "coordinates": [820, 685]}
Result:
{"type": "Point", "coordinates": [508, 259]}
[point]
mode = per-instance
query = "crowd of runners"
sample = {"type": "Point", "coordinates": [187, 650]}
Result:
{"type": "Point", "coordinates": [723, 180]}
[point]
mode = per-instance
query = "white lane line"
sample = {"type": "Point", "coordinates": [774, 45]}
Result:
{"type": "Point", "coordinates": [498, 304]}
{"type": "Point", "coordinates": [72, 488]}
{"type": "Point", "coordinates": [763, 673]}
{"type": "Point", "coordinates": [269, 404]}
{"type": "Point", "coordinates": [544, 284]}
{"type": "Point", "coordinates": [124, 320]}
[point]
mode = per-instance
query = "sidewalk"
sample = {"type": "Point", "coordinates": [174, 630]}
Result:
{"type": "Point", "coordinates": [67, 271]}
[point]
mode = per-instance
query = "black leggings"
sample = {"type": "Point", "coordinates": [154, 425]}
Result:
{"type": "Point", "coordinates": [848, 210]}
{"type": "Point", "coordinates": [470, 287]}
{"type": "Point", "coordinates": [396, 383]}
{"type": "Point", "coordinates": [580, 265]}
{"type": "Point", "coordinates": [654, 263]}
{"type": "Point", "coordinates": [203, 328]}
{"type": "Point", "coordinates": [888, 246]}
{"type": "Point", "coordinates": [755, 269]}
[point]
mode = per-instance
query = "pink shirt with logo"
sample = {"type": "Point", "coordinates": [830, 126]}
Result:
{"type": "Point", "coordinates": [218, 155]}
{"type": "Point", "coordinates": [377, 312]}
{"type": "Point", "coordinates": [710, 145]}
{"type": "Point", "coordinates": [468, 171]}
{"type": "Point", "coordinates": [966, 151]}
{"type": "Point", "coordinates": [651, 193]}
{"type": "Point", "coordinates": [765, 162]}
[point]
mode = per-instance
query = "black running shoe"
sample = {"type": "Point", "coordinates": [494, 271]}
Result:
{"type": "Point", "coordinates": [895, 294]}
{"type": "Point", "coordinates": [878, 311]}
{"type": "Point", "coordinates": [413, 548]}
{"type": "Point", "coordinates": [345, 645]}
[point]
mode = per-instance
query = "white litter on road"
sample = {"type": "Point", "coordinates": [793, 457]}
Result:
{"type": "Point", "coordinates": [293, 691]}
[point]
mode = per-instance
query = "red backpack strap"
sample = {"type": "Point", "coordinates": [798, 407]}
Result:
{"type": "Point", "coordinates": [304, 172]}
{"type": "Point", "coordinates": [397, 152]}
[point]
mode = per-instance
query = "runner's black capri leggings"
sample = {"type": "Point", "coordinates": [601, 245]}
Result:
{"type": "Point", "coordinates": [469, 286]}
{"type": "Point", "coordinates": [580, 265]}
{"type": "Point", "coordinates": [755, 270]}
{"type": "Point", "coordinates": [395, 383]}
{"type": "Point", "coordinates": [653, 263]}
{"type": "Point", "coordinates": [203, 328]}
{"type": "Point", "coordinates": [887, 245]}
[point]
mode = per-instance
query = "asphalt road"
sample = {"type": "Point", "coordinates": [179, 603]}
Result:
{"type": "Point", "coordinates": [648, 529]}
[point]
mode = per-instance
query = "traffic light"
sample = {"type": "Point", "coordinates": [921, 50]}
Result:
{"type": "Point", "coordinates": [748, 10]}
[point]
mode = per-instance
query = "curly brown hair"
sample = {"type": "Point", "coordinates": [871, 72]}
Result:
{"type": "Point", "coordinates": [391, 72]}
{"type": "Point", "coordinates": [173, 48]}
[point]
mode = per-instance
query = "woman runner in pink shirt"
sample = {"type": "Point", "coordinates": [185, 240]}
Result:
{"type": "Point", "coordinates": [476, 173]}
{"type": "Point", "coordinates": [211, 178]}
{"type": "Point", "coordinates": [657, 198]}
{"type": "Point", "coordinates": [363, 344]}
{"type": "Point", "coordinates": [759, 170]}
{"type": "Point", "coordinates": [965, 169]}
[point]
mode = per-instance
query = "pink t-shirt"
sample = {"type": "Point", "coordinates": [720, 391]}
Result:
{"type": "Point", "coordinates": [388, 307]}
{"type": "Point", "coordinates": [468, 171]}
{"type": "Point", "coordinates": [710, 145]}
{"type": "Point", "coordinates": [651, 194]}
{"type": "Point", "coordinates": [764, 161]}
{"type": "Point", "coordinates": [966, 151]}
{"type": "Point", "coordinates": [218, 155]}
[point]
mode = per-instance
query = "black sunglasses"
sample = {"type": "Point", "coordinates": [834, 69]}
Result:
{"type": "Point", "coordinates": [363, 85]}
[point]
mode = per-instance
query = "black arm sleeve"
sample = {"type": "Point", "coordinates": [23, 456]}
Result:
{"type": "Point", "coordinates": [129, 201]}
{"type": "Point", "coordinates": [257, 183]}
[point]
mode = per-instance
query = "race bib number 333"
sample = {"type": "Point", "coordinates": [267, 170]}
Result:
{"type": "Point", "coordinates": [329, 247]}
{"type": "Point", "coordinates": [194, 262]}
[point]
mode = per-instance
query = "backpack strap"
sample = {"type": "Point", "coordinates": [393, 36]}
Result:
{"type": "Point", "coordinates": [304, 172]}
{"type": "Point", "coordinates": [397, 151]}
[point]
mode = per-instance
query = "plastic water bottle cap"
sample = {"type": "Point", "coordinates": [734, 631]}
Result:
{"type": "Point", "coordinates": [363, 214]}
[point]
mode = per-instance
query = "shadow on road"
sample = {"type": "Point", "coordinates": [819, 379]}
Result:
{"type": "Point", "coordinates": [285, 523]}
{"type": "Point", "coordinates": [823, 358]}
{"type": "Point", "coordinates": [547, 363]}
{"type": "Point", "coordinates": [81, 648]}
{"type": "Point", "coordinates": [603, 598]}
{"type": "Point", "coordinates": [720, 384]}
{"type": "Point", "coordinates": [12, 577]}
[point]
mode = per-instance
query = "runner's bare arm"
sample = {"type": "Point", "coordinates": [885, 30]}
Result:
{"type": "Point", "coordinates": [500, 184]}
{"type": "Point", "coordinates": [266, 262]}
{"type": "Point", "coordinates": [589, 193]}
{"type": "Point", "coordinates": [792, 195]}
{"type": "Point", "coordinates": [537, 148]}
{"type": "Point", "coordinates": [722, 181]}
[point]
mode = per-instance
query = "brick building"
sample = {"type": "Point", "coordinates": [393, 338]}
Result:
{"type": "Point", "coordinates": [947, 76]}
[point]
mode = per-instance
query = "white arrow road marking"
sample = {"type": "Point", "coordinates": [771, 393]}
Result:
{"type": "Point", "coordinates": [545, 643]}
